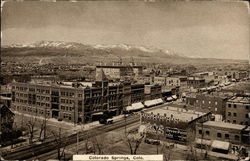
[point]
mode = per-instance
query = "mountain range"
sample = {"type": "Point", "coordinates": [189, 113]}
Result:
{"type": "Point", "coordinates": [73, 52]}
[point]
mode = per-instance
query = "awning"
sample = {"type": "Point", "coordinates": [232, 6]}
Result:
{"type": "Point", "coordinates": [135, 106]}
{"type": "Point", "coordinates": [174, 97]}
{"type": "Point", "coordinates": [98, 113]}
{"type": "Point", "coordinates": [149, 103]}
{"type": "Point", "coordinates": [159, 101]}
{"type": "Point", "coordinates": [169, 99]}
{"type": "Point", "coordinates": [203, 141]}
{"type": "Point", "coordinates": [220, 145]}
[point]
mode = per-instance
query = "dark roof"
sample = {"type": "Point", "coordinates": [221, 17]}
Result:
{"type": "Point", "coordinates": [4, 109]}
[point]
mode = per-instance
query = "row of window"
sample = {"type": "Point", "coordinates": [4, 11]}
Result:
{"type": "Point", "coordinates": [209, 102]}
{"type": "Point", "coordinates": [235, 114]}
{"type": "Point", "coordinates": [219, 135]}
{"type": "Point", "coordinates": [67, 101]}
{"type": "Point", "coordinates": [66, 108]}
{"type": "Point", "coordinates": [235, 106]}
{"type": "Point", "coordinates": [234, 122]}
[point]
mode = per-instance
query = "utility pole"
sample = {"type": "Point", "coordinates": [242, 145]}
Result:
{"type": "Point", "coordinates": [77, 142]}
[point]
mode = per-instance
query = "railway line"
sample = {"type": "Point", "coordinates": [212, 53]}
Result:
{"type": "Point", "coordinates": [37, 150]}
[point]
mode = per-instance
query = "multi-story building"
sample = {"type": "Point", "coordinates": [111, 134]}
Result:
{"type": "Point", "coordinates": [152, 92]}
{"type": "Point", "coordinates": [167, 81]}
{"type": "Point", "coordinates": [233, 74]}
{"type": "Point", "coordinates": [238, 110]}
{"type": "Point", "coordinates": [172, 123]}
{"type": "Point", "coordinates": [137, 93]}
{"type": "Point", "coordinates": [75, 103]}
{"type": "Point", "coordinates": [213, 132]}
{"type": "Point", "coordinates": [117, 72]}
{"type": "Point", "coordinates": [216, 103]}
{"type": "Point", "coordinates": [196, 82]}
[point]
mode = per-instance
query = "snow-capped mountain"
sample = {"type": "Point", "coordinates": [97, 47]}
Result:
{"type": "Point", "coordinates": [122, 49]}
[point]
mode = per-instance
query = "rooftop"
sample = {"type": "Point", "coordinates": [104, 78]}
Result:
{"type": "Point", "coordinates": [224, 125]}
{"type": "Point", "coordinates": [240, 99]}
{"type": "Point", "coordinates": [177, 113]}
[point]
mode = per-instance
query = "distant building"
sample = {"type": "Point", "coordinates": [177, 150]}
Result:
{"type": "Point", "coordinates": [117, 72]}
{"type": "Point", "coordinates": [167, 81]}
{"type": "Point", "coordinates": [172, 123]}
{"type": "Point", "coordinates": [238, 110]}
{"type": "Point", "coordinates": [233, 74]}
{"type": "Point", "coordinates": [196, 82]}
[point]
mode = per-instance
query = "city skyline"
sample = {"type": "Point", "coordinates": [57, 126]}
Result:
{"type": "Point", "coordinates": [200, 29]}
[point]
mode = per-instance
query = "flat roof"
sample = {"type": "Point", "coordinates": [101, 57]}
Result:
{"type": "Point", "coordinates": [240, 99]}
{"type": "Point", "coordinates": [177, 113]}
{"type": "Point", "coordinates": [224, 125]}
{"type": "Point", "coordinates": [117, 66]}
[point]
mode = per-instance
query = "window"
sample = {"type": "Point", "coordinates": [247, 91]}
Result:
{"type": "Point", "coordinates": [246, 115]}
{"type": "Point", "coordinates": [236, 137]}
{"type": "Point", "coordinates": [226, 136]}
{"type": "Point", "coordinates": [234, 121]}
{"type": "Point", "coordinates": [219, 135]}
{"type": "Point", "coordinates": [235, 114]}
{"type": "Point", "coordinates": [216, 103]}
{"type": "Point", "coordinates": [209, 102]}
{"type": "Point", "coordinates": [229, 114]}
{"type": "Point", "coordinates": [203, 101]}
{"type": "Point", "coordinates": [200, 131]}
{"type": "Point", "coordinates": [247, 107]}
{"type": "Point", "coordinates": [207, 132]}
{"type": "Point", "coordinates": [228, 121]}
{"type": "Point", "coordinates": [235, 106]}
{"type": "Point", "coordinates": [229, 105]}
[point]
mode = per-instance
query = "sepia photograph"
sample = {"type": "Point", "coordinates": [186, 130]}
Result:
{"type": "Point", "coordinates": [143, 80]}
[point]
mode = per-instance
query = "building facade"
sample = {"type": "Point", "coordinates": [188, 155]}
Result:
{"type": "Point", "coordinates": [238, 110]}
{"type": "Point", "coordinates": [117, 72]}
{"type": "Point", "coordinates": [196, 82]}
{"type": "Point", "coordinates": [214, 103]}
{"type": "Point", "coordinates": [75, 103]}
{"type": "Point", "coordinates": [227, 132]}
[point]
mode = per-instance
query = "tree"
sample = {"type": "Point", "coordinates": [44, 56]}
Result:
{"type": "Point", "coordinates": [31, 129]}
{"type": "Point", "coordinates": [43, 128]}
{"type": "Point", "coordinates": [60, 144]}
{"type": "Point", "coordinates": [134, 141]}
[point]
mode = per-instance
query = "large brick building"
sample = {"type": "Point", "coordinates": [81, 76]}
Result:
{"type": "Point", "coordinates": [238, 110]}
{"type": "Point", "coordinates": [75, 103]}
{"type": "Point", "coordinates": [172, 123]}
{"type": "Point", "coordinates": [211, 131]}
{"type": "Point", "coordinates": [213, 102]}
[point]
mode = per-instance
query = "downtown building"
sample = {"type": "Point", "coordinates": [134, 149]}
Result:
{"type": "Point", "coordinates": [74, 103]}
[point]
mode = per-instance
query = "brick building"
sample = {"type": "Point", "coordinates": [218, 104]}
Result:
{"type": "Point", "coordinates": [238, 110]}
{"type": "Point", "coordinates": [213, 102]}
{"type": "Point", "coordinates": [196, 82]}
{"type": "Point", "coordinates": [226, 133]}
{"type": "Point", "coordinates": [75, 103]}
{"type": "Point", "coordinates": [172, 123]}
{"type": "Point", "coordinates": [152, 92]}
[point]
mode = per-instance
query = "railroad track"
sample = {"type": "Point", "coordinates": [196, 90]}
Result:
{"type": "Point", "coordinates": [37, 150]}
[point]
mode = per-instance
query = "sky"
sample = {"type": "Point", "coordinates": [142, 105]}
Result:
{"type": "Point", "coordinates": [200, 29]}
